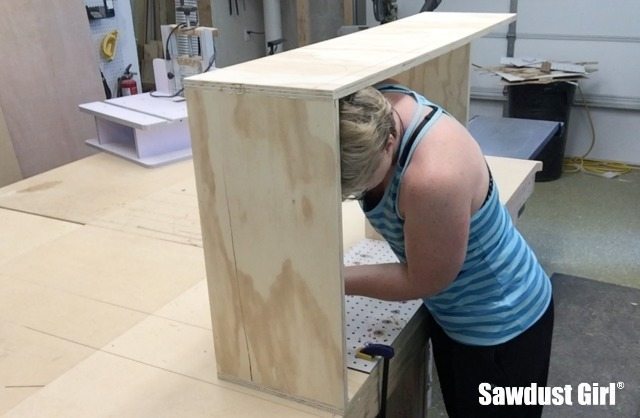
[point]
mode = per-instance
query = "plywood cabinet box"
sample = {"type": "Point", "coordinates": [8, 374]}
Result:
{"type": "Point", "coordinates": [265, 138]}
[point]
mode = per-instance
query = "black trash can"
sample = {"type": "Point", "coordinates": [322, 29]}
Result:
{"type": "Point", "coordinates": [550, 101]}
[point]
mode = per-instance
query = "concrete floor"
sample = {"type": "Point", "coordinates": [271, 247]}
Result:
{"type": "Point", "coordinates": [583, 225]}
{"type": "Point", "coordinates": [588, 226]}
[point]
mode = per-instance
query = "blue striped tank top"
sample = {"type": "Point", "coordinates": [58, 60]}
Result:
{"type": "Point", "coordinates": [501, 289]}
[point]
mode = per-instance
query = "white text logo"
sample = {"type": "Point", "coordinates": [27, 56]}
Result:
{"type": "Point", "coordinates": [586, 394]}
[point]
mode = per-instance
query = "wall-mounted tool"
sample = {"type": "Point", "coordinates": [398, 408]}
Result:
{"type": "Point", "coordinates": [385, 10]}
{"type": "Point", "coordinates": [101, 12]}
{"type": "Point", "coordinates": [105, 85]}
{"type": "Point", "coordinates": [108, 45]}
{"type": "Point", "coordinates": [430, 5]}
{"type": "Point", "coordinates": [231, 3]}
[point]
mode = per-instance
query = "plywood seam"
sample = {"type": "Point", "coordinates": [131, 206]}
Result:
{"type": "Point", "coordinates": [112, 353]}
{"type": "Point", "coordinates": [115, 354]}
{"type": "Point", "coordinates": [117, 228]}
{"type": "Point", "coordinates": [42, 215]}
{"type": "Point", "coordinates": [85, 297]}
{"type": "Point", "coordinates": [236, 284]}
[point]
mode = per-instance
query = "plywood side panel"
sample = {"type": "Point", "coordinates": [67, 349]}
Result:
{"type": "Point", "coordinates": [280, 162]}
{"type": "Point", "coordinates": [9, 168]}
{"type": "Point", "coordinates": [229, 333]}
{"type": "Point", "coordinates": [50, 68]}
{"type": "Point", "coordinates": [444, 80]}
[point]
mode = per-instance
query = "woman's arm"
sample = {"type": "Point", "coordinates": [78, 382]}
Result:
{"type": "Point", "coordinates": [436, 233]}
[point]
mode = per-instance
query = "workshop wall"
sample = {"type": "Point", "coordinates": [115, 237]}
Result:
{"type": "Point", "coordinates": [325, 18]}
{"type": "Point", "coordinates": [232, 46]}
{"type": "Point", "coordinates": [571, 30]}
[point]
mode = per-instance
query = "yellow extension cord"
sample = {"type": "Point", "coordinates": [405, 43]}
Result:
{"type": "Point", "coordinates": [607, 169]}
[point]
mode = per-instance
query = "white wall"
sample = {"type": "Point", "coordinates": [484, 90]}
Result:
{"type": "Point", "coordinates": [574, 30]}
{"type": "Point", "coordinates": [231, 46]}
{"type": "Point", "coordinates": [325, 20]}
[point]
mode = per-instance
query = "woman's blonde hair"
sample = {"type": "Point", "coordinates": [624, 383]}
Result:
{"type": "Point", "coordinates": [366, 121]}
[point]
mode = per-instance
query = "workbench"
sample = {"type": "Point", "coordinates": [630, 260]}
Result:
{"type": "Point", "coordinates": [103, 299]}
{"type": "Point", "coordinates": [122, 325]}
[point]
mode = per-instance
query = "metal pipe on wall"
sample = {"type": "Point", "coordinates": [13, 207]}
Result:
{"type": "Point", "coordinates": [272, 26]}
{"type": "Point", "coordinates": [511, 33]}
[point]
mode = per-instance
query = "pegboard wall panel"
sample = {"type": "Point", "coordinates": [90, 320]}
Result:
{"type": "Point", "coordinates": [126, 52]}
{"type": "Point", "coordinates": [371, 320]}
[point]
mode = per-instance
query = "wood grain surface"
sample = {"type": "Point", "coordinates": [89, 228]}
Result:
{"type": "Point", "coordinates": [270, 209]}
{"type": "Point", "coordinates": [50, 68]}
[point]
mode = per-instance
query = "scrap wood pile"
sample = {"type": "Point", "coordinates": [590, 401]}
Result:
{"type": "Point", "coordinates": [535, 70]}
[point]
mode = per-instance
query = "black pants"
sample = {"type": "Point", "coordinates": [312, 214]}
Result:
{"type": "Point", "coordinates": [518, 362]}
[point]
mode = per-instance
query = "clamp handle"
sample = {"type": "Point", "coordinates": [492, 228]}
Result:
{"type": "Point", "coordinates": [387, 353]}
{"type": "Point", "coordinates": [380, 350]}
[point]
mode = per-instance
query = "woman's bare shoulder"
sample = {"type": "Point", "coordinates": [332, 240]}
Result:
{"type": "Point", "coordinates": [447, 158]}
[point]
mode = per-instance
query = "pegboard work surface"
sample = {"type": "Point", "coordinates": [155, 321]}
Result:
{"type": "Point", "coordinates": [371, 320]}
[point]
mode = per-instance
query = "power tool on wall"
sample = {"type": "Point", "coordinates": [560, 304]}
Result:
{"type": "Point", "coordinates": [387, 10]}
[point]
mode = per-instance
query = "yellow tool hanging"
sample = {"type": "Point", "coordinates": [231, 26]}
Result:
{"type": "Point", "coordinates": [108, 46]}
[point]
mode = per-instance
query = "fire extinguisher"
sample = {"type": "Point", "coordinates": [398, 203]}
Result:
{"type": "Point", "coordinates": [127, 86]}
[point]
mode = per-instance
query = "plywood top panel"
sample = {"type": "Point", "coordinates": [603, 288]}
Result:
{"type": "Point", "coordinates": [172, 361]}
{"type": "Point", "coordinates": [112, 267]}
{"type": "Point", "coordinates": [169, 214]}
{"type": "Point", "coordinates": [107, 384]}
{"type": "Point", "coordinates": [31, 360]}
{"type": "Point", "coordinates": [341, 66]}
{"type": "Point", "coordinates": [22, 232]}
{"type": "Point", "coordinates": [60, 313]}
{"type": "Point", "coordinates": [87, 189]}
